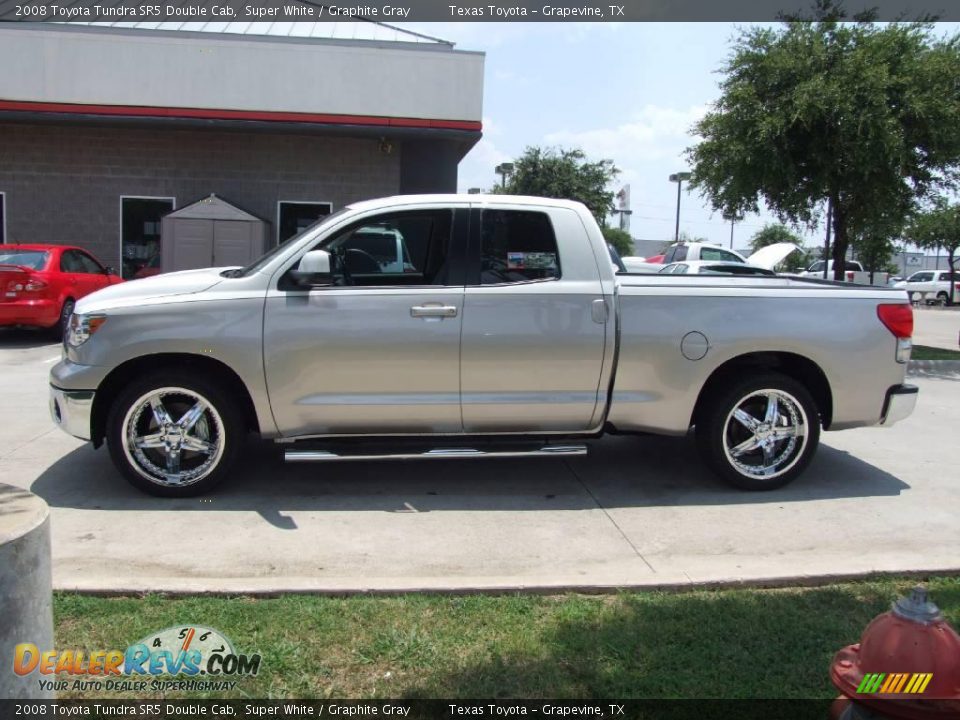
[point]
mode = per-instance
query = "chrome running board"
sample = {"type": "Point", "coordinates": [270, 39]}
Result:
{"type": "Point", "coordinates": [441, 453]}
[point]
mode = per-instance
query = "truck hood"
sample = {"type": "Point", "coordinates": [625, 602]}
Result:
{"type": "Point", "coordinates": [185, 282]}
{"type": "Point", "coordinates": [770, 256]}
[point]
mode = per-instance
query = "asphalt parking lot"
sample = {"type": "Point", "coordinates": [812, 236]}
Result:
{"type": "Point", "coordinates": [637, 512]}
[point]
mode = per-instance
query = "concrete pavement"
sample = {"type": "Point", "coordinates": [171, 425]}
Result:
{"type": "Point", "coordinates": [638, 512]}
{"type": "Point", "coordinates": [937, 327]}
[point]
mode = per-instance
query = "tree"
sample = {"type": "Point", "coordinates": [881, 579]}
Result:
{"type": "Point", "coordinates": [773, 233]}
{"type": "Point", "coordinates": [863, 117]}
{"type": "Point", "coordinates": [937, 227]}
{"type": "Point", "coordinates": [875, 243]}
{"type": "Point", "coordinates": [620, 239]}
{"type": "Point", "coordinates": [564, 174]}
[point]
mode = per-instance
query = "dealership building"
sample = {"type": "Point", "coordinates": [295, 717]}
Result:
{"type": "Point", "coordinates": [105, 129]}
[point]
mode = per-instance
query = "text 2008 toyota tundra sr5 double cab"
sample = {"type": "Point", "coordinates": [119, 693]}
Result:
{"type": "Point", "coordinates": [497, 329]}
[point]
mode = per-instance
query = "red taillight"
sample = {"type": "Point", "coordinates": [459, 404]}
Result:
{"type": "Point", "coordinates": [897, 318]}
{"type": "Point", "coordinates": [849, 275]}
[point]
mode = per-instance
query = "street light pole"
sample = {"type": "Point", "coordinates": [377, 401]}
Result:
{"type": "Point", "coordinates": [678, 178]}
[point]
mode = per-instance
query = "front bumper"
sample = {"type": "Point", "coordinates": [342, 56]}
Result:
{"type": "Point", "coordinates": [899, 404]}
{"type": "Point", "coordinates": [71, 410]}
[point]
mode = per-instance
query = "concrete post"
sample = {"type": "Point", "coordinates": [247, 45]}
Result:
{"type": "Point", "coordinates": [26, 608]}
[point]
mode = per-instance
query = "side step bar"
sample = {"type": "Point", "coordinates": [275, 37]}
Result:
{"type": "Point", "coordinates": [442, 453]}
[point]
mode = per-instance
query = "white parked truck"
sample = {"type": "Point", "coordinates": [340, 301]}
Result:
{"type": "Point", "coordinates": [853, 272]}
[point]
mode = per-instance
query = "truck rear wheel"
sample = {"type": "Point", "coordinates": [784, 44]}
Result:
{"type": "Point", "coordinates": [759, 433]}
{"type": "Point", "coordinates": [174, 435]}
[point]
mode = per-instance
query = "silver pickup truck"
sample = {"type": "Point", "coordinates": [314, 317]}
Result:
{"type": "Point", "coordinates": [504, 332]}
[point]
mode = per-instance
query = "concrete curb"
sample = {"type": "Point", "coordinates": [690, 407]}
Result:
{"type": "Point", "coordinates": [786, 581]}
{"type": "Point", "coordinates": [927, 366]}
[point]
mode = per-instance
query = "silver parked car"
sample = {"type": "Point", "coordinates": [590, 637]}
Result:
{"type": "Point", "coordinates": [492, 326]}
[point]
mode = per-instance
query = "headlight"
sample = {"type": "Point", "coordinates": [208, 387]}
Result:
{"type": "Point", "coordinates": [81, 328]}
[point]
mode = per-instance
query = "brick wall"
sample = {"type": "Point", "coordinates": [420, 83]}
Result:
{"type": "Point", "coordinates": [63, 183]}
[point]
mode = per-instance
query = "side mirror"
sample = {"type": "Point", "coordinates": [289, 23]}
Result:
{"type": "Point", "coordinates": [111, 270]}
{"type": "Point", "coordinates": [313, 270]}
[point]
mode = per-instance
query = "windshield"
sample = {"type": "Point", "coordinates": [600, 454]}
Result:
{"type": "Point", "coordinates": [264, 259]}
{"type": "Point", "coordinates": [33, 259]}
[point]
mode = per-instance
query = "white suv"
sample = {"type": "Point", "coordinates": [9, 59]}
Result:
{"type": "Point", "coordinates": [933, 286]}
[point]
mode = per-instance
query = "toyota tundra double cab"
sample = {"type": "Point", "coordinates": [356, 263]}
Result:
{"type": "Point", "coordinates": [505, 331]}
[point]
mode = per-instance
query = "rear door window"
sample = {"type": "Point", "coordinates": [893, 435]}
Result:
{"type": "Point", "coordinates": [89, 265]}
{"type": "Point", "coordinates": [517, 246]}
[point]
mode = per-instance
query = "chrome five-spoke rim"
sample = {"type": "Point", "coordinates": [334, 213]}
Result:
{"type": "Point", "coordinates": [765, 434]}
{"type": "Point", "coordinates": [173, 436]}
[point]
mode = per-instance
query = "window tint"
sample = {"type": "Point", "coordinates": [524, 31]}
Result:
{"type": "Point", "coordinates": [70, 262]}
{"type": "Point", "coordinates": [517, 246]}
{"type": "Point", "coordinates": [677, 253]}
{"type": "Point", "coordinates": [816, 267]}
{"type": "Point", "coordinates": [33, 259]}
{"type": "Point", "coordinates": [88, 264]}
{"type": "Point", "coordinates": [398, 249]}
{"type": "Point", "coordinates": [712, 254]}
{"type": "Point", "coordinates": [921, 277]}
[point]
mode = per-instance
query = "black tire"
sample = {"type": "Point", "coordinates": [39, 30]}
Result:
{"type": "Point", "coordinates": [718, 430]}
{"type": "Point", "coordinates": [219, 425]}
{"type": "Point", "coordinates": [943, 299]}
{"type": "Point", "coordinates": [65, 312]}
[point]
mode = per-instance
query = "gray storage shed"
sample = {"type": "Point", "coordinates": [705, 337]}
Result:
{"type": "Point", "coordinates": [211, 233]}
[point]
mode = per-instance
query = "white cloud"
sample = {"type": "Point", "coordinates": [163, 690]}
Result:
{"type": "Point", "coordinates": [655, 133]}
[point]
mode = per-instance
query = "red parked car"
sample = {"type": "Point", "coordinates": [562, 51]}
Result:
{"type": "Point", "coordinates": [39, 284]}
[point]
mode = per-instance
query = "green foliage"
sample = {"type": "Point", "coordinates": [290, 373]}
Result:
{"type": "Point", "coordinates": [620, 239]}
{"type": "Point", "coordinates": [773, 233]}
{"type": "Point", "coordinates": [861, 115]}
{"type": "Point", "coordinates": [564, 174]}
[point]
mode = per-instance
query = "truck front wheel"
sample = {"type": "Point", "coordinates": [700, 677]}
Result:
{"type": "Point", "coordinates": [759, 433]}
{"type": "Point", "coordinates": [174, 435]}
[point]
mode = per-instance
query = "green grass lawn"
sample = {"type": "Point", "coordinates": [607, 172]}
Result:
{"type": "Point", "coordinates": [925, 352]}
{"type": "Point", "coordinates": [703, 644]}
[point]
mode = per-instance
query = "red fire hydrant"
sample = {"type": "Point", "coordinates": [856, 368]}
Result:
{"type": "Point", "coordinates": [907, 665]}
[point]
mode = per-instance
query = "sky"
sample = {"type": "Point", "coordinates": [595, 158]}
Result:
{"type": "Point", "coordinates": [629, 92]}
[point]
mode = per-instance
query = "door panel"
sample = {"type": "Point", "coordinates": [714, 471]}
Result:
{"type": "Point", "coordinates": [383, 358]}
{"type": "Point", "coordinates": [531, 359]}
{"type": "Point", "coordinates": [533, 343]}
{"type": "Point", "coordinates": [348, 361]}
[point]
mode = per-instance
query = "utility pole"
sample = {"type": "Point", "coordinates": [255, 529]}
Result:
{"type": "Point", "coordinates": [826, 242]}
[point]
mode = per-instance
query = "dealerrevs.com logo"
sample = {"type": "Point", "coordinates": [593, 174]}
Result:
{"type": "Point", "coordinates": [187, 657]}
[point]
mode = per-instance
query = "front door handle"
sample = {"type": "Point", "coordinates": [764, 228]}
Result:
{"type": "Point", "coordinates": [436, 311]}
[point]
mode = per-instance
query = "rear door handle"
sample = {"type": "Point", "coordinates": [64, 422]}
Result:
{"type": "Point", "coordinates": [437, 311]}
